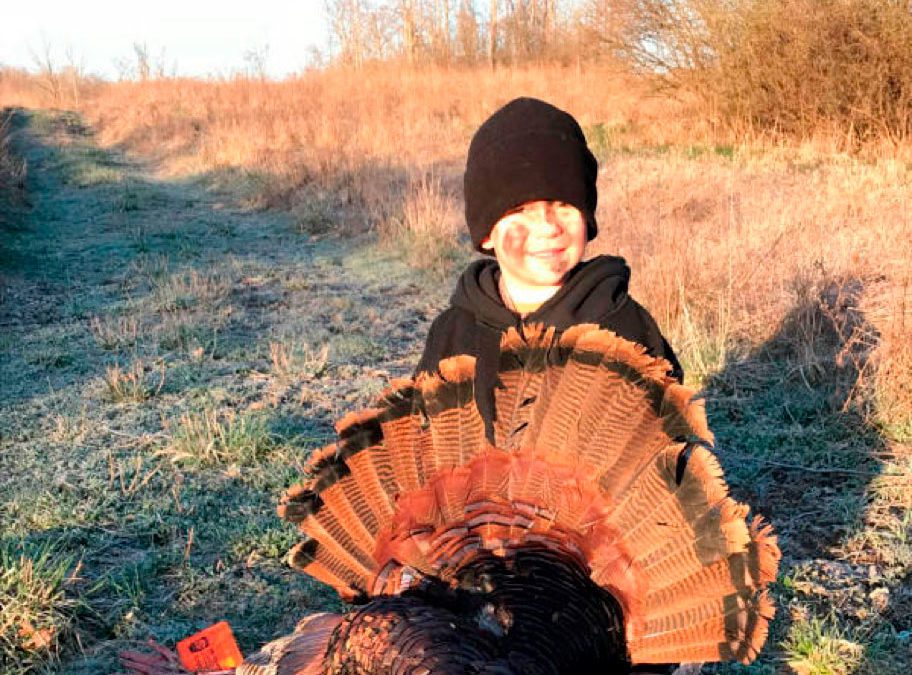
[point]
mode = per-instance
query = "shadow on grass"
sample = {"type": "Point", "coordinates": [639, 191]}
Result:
{"type": "Point", "coordinates": [794, 435]}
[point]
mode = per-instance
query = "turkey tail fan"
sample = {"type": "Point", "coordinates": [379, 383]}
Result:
{"type": "Point", "coordinates": [414, 430]}
{"type": "Point", "coordinates": [600, 459]}
{"type": "Point", "coordinates": [521, 374]}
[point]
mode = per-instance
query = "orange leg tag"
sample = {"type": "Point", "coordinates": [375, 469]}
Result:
{"type": "Point", "coordinates": [213, 648]}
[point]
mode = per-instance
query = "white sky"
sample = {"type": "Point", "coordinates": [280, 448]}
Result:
{"type": "Point", "coordinates": [199, 37]}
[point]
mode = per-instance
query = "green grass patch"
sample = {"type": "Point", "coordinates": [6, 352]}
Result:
{"type": "Point", "coordinates": [217, 436]}
{"type": "Point", "coordinates": [817, 646]}
{"type": "Point", "coordinates": [186, 332]}
{"type": "Point", "coordinates": [36, 611]}
{"type": "Point", "coordinates": [604, 139]}
{"type": "Point", "coordinates": [87, 166]}
{"type": "Point", "coordinates": [354, 347]}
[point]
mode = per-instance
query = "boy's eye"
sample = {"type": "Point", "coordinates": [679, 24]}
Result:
{"type": "Point", "coordinates": [514, 214]}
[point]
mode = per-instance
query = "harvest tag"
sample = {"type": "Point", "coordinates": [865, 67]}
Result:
{"type": "Point", "coordinates": [213, 648]}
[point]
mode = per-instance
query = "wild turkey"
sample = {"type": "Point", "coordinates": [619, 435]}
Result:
{"type": "Point", "coordinates": [596, 533]}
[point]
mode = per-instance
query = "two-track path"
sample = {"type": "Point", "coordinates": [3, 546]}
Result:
{"type": "Point", "coordinates": [224, 314]}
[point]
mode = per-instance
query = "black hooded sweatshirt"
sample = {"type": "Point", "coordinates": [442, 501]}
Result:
{"type": "Point", "coordinates": [595, 292]}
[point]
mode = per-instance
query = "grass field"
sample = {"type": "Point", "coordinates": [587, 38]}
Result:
{"type": "Point", "coordinates": [209, 274]}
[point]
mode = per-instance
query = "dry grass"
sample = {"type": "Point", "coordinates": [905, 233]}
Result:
{"type": "Point", "coordinates": [292, 360]}
{"type": "Point", "coordinates": [21, 89]}
{"type": "Point", "coordinates": [133, 384]}
{"type": "Point", "coordinates": [114, 333]}
{"type": "Point", "coordinates": [889, 385]}
{"type": "Point", "coordinates": [358, 135]}
{"type": "Point", "coordinates": [723, 249]}
{"type": "Point", "coordinates": [719, 228]}
{"type": "Point", "coordinates": [325, 124]}
{"type": "Point", "coordinates": [186, 290]}
{"type": "Point", "coordinates": [424, 221]}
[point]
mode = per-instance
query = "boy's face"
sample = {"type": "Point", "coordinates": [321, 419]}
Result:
{"type": "Point", "coordinates": [538, 242]}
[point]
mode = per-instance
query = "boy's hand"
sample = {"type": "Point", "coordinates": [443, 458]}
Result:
{"type": "Point", "coordinates": [162, 662]}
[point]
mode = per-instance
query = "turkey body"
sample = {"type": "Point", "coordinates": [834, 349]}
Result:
{"type": "Point", "coordinates": [533, 612]}
{"type": "Point", "coordinates": [595, 532]}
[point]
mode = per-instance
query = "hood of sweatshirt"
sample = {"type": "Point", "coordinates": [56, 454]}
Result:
{"type": "Point", "coordinates": [593, 290]}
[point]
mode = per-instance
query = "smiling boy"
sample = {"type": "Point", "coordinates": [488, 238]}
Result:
{"type": "Point", "coordinates": [530, 198]}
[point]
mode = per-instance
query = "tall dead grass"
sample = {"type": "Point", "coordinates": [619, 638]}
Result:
{"type": "Point", "coordinates": [21, 89]}
{"type": "Point", "coordinates": [723, 250]}
{"type": "Point", "coordinates": [358, 134]}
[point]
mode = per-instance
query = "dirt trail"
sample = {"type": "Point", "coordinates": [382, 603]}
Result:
{"type": "Point", "coordinates": [237, 341]}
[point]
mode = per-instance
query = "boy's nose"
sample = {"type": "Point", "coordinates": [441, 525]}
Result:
{"type": "Point", "coordinates": [546, 220]}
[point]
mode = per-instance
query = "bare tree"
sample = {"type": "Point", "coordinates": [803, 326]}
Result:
{"type": "Point", "coordinates": [409, 18]}
{"type": "Point", "coordinates": [143, 66]}
{"type": "Point", "coordinates": [256, 58]}
{"type": "Point", "coordinates": [441, 29]}
{"type": "Point", "coordinates": [50, 79]}
{"type": "Point", "coordinates": [143, 61]}
{"type": "Point", "coordinates": [514, 31]}
{"type": "Point", "coordinates": [493, 14]}
{"type": "Point", "coordinates": [528, 27]}
{"type": "Point", "coordinates": [363, 30]}
{"type": "Point", "coordinates": [348, 27]}
{"type": "Point", "coordinates": [381, 32]}
{"type": "Point", "coordinates": [467, 32]}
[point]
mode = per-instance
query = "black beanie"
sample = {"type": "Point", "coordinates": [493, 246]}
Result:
{"type": "Point", "coordinates": [526, 151]}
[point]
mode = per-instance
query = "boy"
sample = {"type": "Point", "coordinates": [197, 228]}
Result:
{"type": "Point", "coordinates": [530, 198]}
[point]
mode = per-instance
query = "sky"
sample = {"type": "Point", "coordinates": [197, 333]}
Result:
{"type": "Point", "coordinates": [197, 38]}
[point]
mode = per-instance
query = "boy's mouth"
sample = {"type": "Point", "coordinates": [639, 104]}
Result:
{"type": "Point", "coordinates": [547, 253]}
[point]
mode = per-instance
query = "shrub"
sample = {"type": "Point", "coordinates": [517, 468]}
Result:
{"type": "Point", "coordinates": [788, 66]}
